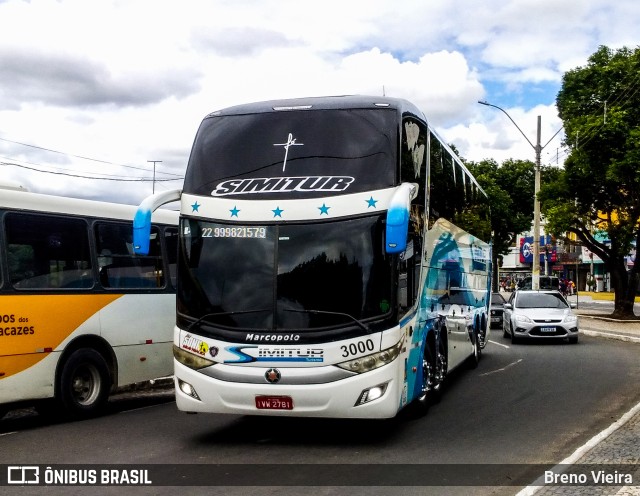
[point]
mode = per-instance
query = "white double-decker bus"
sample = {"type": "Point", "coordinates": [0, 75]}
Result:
{"type": "Point", "coordinates": [334, 260]}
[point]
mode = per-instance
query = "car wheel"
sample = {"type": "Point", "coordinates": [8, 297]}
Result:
{"type": "Point", "coordinates": [573, 340]}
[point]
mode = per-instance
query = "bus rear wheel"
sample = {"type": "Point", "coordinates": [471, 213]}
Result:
{"type": "Point", "coordinates": [474, 358]}
{"type": "Point", "coordinates": [84, 384]}
{"type": "Point", "coordinates": [440, 372]}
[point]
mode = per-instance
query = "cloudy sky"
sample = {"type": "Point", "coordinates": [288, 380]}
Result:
{"type": "Point", "coordinates": [92, 91]}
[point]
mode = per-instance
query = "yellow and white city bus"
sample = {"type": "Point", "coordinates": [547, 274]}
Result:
{"type": "Point", "coordinates": [80, 313]}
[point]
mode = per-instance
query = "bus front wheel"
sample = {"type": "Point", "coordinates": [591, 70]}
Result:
{"type": "Point", "coordinates": [434, 369]}
{"type": "Point", "coordinates": [84, 384]}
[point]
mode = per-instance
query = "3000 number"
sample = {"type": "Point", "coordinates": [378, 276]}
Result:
{"type": "Point", "coordinates": [357, 348]}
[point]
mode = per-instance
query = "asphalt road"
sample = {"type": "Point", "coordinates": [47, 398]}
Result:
{"type": "Point", "coordinates": [525, 404]}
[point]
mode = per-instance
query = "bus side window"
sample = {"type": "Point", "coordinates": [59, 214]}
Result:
{"type": "Point", "coordinates": [118, 267]}
{"type": "Point", "coordinates": [413, 169]}
{"type": "Point", "coordinates": [171, 244]}
{"type": "Point", "coordinates": [47, 252]}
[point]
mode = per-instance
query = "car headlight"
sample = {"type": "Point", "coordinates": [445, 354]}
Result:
{"type": "Point", "coordinates": [523, 318]}
{"type": "Point", "coordinates": [189, 359]}
{"type": "Point", "coordinates": [370, 362]}
{"type": "Point", "coordinates": [571, 319]}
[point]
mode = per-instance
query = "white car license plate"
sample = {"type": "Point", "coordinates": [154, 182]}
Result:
{"type": "Point", "coordinates": [547, 329]}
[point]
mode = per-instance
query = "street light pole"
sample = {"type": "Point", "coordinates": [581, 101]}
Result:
{"type": "Point", "coordinates": [535, 269]}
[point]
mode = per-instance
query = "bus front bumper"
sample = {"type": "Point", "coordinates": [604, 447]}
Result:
{"type": "Point", "coordinates": [197, 392]}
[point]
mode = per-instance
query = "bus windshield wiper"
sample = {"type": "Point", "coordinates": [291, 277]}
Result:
{"type": "Point", "coordinates": [360, 324]}
{"type": "Point", "coordinates": [206, 316]}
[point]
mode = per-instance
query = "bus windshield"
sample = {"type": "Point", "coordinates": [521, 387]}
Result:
{"type": "Point", "coordinates": [284, 277]}
{"type": "Point", "coordinates": [321, 153]}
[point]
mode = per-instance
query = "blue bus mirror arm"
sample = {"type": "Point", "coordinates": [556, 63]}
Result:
{"type": "Point", "coordinates": [142, 218]}
{"type": "Point", "coordinates": [398, 217]}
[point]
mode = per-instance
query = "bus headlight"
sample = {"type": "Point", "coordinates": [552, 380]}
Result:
{"type": "Point", "coordinates": [188, 389]}
{"type": "Point", "coordinates": [372, 394]}
{"type": "Point", "coordinates": [371, 362]}
{"type": "Point", "coordinates": [189, 359]}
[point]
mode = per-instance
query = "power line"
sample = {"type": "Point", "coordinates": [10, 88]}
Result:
{"type": "Point", "coordinates": [630, 86]}
{"type": "Point", "coordinates": [10, 161]}
{"type": "Point", "coordinates": [80, 156]}
{"type": "Point", "coordinates": [113, 178]}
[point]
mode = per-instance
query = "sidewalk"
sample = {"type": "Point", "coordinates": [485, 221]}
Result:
{"type": "Point", "coordinates": [595, 322]}
{"type": "Point", "coordinates": [616, 450]}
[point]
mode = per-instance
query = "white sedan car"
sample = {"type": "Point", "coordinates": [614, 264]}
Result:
{"type": "Point", "coordinates": [533, 314]}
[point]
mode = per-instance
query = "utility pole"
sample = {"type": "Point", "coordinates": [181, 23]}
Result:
{"type": "Point", "coordinates": [535, 268]}
{"type": "Point", "coordinates": [153, 190]}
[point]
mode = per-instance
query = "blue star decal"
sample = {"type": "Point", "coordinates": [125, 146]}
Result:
{"type": "Point", "coordinates": [324, 209]}
{"type": "Point", "coordinates": [234, 211]}
{"type": "Point", "coordinates": [195, 207]}
{"type": "Point", "coordinates": [371, 202]}
{"type": "Point", "coordinates": [277, 212]}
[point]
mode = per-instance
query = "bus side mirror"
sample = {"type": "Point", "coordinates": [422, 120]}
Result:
{"type": "Point", "coordinates": [141, 231]}
{"type": "Point", "coordinates": [397, 228]}
{"type": "Point", "coordinates": [398, 215]}
{"type": "Point", "coordinates": [142, 218]}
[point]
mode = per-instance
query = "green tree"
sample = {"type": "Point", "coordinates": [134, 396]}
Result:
{"type": "Point", "coordinates": [510, 189]}
{"type": "Point", "coordinates": [599, 188]}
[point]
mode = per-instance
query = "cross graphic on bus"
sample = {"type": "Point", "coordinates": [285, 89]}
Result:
{"type": "Point", "coordinates": [291, 141]}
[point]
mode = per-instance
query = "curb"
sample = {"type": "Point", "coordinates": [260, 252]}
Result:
{"type": "Point", "coordinates": [602, 436]}
{"type": "Point", "coordinates": [611, 335]}
{"type": "Point", "coordinates": [607, 319]}
{"type": "Point", "coordinates": [153, 384]}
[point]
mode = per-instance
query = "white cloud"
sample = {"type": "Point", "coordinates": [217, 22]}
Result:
{"type": "Point", "coordinates": [499, 139]}
{"type": "Point", "coordinates": [126, 82]}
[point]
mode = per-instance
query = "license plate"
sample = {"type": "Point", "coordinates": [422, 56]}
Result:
{"type": "Point", "coordinates": [274, 403]}
{"type": "Point", "coordinates": [495, 319]}
{"type": "Point", "coordinates": [547, 329]}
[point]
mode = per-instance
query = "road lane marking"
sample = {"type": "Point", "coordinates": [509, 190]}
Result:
{"type": "Point", "coordinates": [499, 344]}
{"type": "Point", "coordinates": [503, 368]}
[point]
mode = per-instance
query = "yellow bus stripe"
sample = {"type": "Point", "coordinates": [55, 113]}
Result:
{"type": "Point", "coordinates": [31, 325]}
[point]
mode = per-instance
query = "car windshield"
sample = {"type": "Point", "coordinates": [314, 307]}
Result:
{"type": "Point", "coordinates": [497, 299]}
{"type": "Point", "coordinates": [541, 300]}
